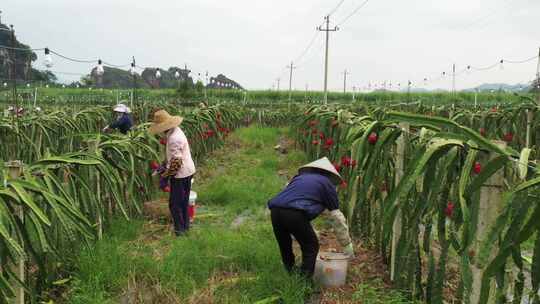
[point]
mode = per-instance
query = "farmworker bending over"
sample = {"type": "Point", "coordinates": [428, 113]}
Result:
{"type": "Point", "coordinates": [308, 194]}
{"type": "Point", "coordinates": [179, 167]}
{"type": "Point", "coordinates": [123, 121]}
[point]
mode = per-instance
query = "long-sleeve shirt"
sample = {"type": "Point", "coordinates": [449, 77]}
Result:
{"type": "Point", "coordinates": [179, 161]}
{"type": "Point", "coordinates": [314, 193]}
{"type": "Point", "coordinates": [123, 124]}
{"type": "Point", "coordinates": [309, 192]}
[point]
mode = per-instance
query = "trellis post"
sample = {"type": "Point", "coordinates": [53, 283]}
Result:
{"type": "Point", "coordinates": [488, 211]}
{"type": "Point", "coordinates": [15, 171]}
{"type": "Point", "coordinates": [399, 172]}
{"type": "Point", "coordinates": [94, 147]}
{"type": "Point", "coordinates": [529, 124]}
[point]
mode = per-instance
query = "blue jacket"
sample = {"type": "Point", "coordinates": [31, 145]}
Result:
{"type": "Point", "coordinates": [123, 124]}
{"type": "Point", "coordinates": [309, 192]}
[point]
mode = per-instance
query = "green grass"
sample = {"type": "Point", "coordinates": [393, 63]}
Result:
{"type": "Point", "coordinates": [241, 182]}
{"type": "Point", "coordinates": [105, 268]}
{"type": "Point", "coordinates": [374, 293]}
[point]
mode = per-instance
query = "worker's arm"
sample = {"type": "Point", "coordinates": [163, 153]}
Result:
{"type": "Point", "coordinates": [338, 221]}
{"type": "Point", "coordinates": [175, 148]}
{"type": "Point", "coordinates": [339, 224]}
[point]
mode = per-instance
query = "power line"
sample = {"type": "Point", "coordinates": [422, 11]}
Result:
{"type": "Point", "coordinates": [90, 60]}
{"type": "Point", "coordinates": [485, 68]}
{"type": "Point", "coordinates": [470, 68]}
{"type": "Point", "coordinates": [353, 13]}
{"type": "Point", "coordinates": [522, 61]}
{"type": "Point", "coordinates": [485, 17]}
{"type": "Point", "coordinates": [306, 50]}
{"type": "Point", "coordinates": [72, 59]}
{"type": "Point", "coordinates": [336, 8]}
{"type": "Point", "coordinates": [312, 55]}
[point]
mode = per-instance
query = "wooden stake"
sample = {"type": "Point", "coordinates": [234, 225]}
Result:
{"type": "Point", "coordinates": [489, 210]}
{"type": "Point", "coordinates": [529, 124]}
{"type": "Point", "coordinates": [15, 171]}
{"type": "Point", "coordinates": [94, 147]}
{"type": "Point", "coordinates": [400, 166]}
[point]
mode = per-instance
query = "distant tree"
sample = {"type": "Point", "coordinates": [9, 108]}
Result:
{"type": "Point", "coordinates": [185, 89]}
{"type": "Point", "coordinates": [47, 76]}
{"type": "Point", "coordinates": [535, 87]}
{"type": "Point", "coordinates": [87, 80]}
{"type": "Point", "coordinates": [199, 87]}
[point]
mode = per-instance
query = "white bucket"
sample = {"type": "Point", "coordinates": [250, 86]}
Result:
{"type": "Point", "coordinates": [192, 197]}
{"type": "Point", "coordinates": [331, 269]}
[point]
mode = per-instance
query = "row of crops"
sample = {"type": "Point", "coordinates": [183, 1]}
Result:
{"type": "Point", "coordinates": [40, 95]}
{"type": "Point", "coordinates": [449, 196]}
{"type": "Point", "coordinates": [62, 182]}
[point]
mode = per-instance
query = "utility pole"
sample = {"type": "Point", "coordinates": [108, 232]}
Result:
{"type": "Point", "coordinates": [205, 85]}
{"type": "Point", "coordinates": [353, 93]}
{"type": "Point", "coordinates": [538, 78]}
{"type": "Point", "coordinates": [409, 91]}
{"type": "Point", "coordinates": [454, 79]}
{"type": "Point", "coordinates": [278, 80]}
{"type": "Point", "coordinates": [0, 17]}
{"type": "Point", "coordinates": [345, 73]}
{"type": "Point", "coordinates": [20, 271]}
{"type": "Point", "coordinates": [327, 29]}
{"type": "Point", "coordinates": [291, 68]}
{"type": "Point", "coordinates": [13, 77]}
{"type": "Point", "coordinates": [134, 74]}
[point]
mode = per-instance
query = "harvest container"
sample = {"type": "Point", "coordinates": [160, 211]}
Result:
{"type": "Point", "coordinates": [331, 269]}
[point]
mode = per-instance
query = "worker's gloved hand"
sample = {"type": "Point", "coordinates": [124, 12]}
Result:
{"type": "Point", "coordinates": [163, 182]}
{"type": "Point", "coordinates": [159, 170]}
{"type": "Point", "coordinates": [339, 224]}
{"type": "Point", "coordinates": [349, 250]}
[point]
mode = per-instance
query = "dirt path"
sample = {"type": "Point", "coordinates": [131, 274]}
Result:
{"type": "Point", "coordinates": [230, 255]}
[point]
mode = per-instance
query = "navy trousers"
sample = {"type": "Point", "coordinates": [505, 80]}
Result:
{"type": "Point", "coordinates": [178, 203]}
{"type": "Point", "coordinates": [287, 222]}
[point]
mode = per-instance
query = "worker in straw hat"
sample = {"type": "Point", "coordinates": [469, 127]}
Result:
{"type": "Point", "coordinates": [123, 122]}
{"type": "Point", "coordinates": [179, 167]}
{"type": "Point", "coordinates": [307, 195]}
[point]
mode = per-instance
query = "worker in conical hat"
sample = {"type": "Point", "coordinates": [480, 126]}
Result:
{"type": "Point", "coordinates": [308, 194]}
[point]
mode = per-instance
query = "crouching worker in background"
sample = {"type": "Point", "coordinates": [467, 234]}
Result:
{"type": "Point", "coordinates": [308, 194]}
{"type": "Point", "coordinates": [178, 170]}
{"type": "Point", "coordinates": [123, 122]}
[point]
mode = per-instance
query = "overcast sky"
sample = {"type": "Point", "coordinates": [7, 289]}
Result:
{"type": "Point", "coordinates": [252, 41]}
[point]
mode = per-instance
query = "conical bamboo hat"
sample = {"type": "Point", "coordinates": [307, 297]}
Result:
{"type": "Point", "coordinates": [324, 164]}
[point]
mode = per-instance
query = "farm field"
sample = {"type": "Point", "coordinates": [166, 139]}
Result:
{"type": "Point", "coordinates": [416, 181]}
{"type": "Point", "coordinates": [270, 152]}
{"type": "Point", "coordinates": [93, 96]}
{"type": "Point", "coordinates": [231, 254]}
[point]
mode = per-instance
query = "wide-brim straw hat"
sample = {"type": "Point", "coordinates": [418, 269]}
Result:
{"type": "Point", "coordinates": [325, 165]}
{"type": "Point", "coordinates": [164, 121]}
